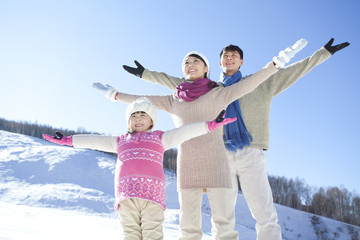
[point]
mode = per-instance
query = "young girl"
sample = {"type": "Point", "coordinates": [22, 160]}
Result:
{"type": "Point", "coordinates": [139, 176]}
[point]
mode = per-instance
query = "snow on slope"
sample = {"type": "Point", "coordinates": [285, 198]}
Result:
{"type": "Point", "coordinates": [46, 188]}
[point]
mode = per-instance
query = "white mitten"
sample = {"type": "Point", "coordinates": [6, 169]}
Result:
{"type": "Point", "coordinates": [285, 55]}
{"type": "Point", "coordinates": [107, 90]}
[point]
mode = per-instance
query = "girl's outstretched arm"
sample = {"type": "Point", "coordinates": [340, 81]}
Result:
{"type": "Point", "coordinates": [89, 141]}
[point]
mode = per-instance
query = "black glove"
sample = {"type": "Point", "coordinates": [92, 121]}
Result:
{"type": "Point", "coordinates": [333, 49]}
{"type": "Point", "coordinates": [220, 117]}
{"type": "Point", "coordinates": [58, 135]}
{"type": "Point", "coordinates": [136, 71]}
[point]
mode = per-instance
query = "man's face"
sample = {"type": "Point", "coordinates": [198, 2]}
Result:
{"type": "Point", "coordinates": [230, 62]}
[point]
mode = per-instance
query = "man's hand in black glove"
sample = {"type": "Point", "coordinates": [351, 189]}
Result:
{"type": "Point", "coordinates": [333, 49]}
{"type": "Point", "coordinates": [136, 71]}
{"type": "Point", "coordinates": [220, 117]}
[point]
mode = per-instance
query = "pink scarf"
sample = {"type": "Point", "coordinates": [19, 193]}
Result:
{"type": "Point", "coordinates": [191, 91]}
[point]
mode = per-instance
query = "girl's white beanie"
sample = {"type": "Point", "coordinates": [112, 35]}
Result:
{"type": "Point", "coordinates": [202, 56]}
{"type": "Point", "coordinates": [141, 104]}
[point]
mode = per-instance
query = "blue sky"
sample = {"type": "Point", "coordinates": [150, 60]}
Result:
{"type": "Point", "coordinates": [52, 51]}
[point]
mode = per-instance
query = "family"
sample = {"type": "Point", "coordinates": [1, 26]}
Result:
{"type": "Point", "coordinates": [213, 154]}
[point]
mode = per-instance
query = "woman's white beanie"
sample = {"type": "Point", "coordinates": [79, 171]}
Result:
{"type": "Point", "coordinates": [202, 56]}
{"type": "Point", "coordinates": [141, 104]}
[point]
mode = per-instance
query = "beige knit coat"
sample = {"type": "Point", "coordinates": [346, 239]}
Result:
{"type": "Point", "coordinates": [202, 161]}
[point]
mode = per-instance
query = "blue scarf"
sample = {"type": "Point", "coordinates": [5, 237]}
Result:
{"type": "Point", "coordinates": [236, 134]}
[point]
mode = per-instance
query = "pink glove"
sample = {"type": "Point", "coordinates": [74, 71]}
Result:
{"type": "Point", "coordinates": [219, 121]}
{"type": "Point", "coordinates": [59, 138]}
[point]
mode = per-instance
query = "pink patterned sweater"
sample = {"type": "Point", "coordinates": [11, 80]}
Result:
{"type": "Point", "coordinates": [139, 168]}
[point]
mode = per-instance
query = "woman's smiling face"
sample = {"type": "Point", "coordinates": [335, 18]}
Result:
{"type": "Point", "coordinates": [194, 68]}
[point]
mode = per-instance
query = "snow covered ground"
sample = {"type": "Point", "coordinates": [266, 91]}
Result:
{"type": "Point", "coordinates": [55, 192]}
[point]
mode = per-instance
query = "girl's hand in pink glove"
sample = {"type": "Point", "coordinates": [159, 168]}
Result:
{"type": "Point", "coordinates": [59, 138]}
{"type": "Point", "coordinates": [219, 121]}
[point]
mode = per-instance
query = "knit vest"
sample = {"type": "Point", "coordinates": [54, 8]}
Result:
{"type": "Point", "coordinates": [139, 168]}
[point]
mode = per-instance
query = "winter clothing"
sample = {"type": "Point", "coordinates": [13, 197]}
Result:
{"type": "Point", "coordinates": [255, 108]}
{"type": "Point", "coordinates": [191, 91]}
{"type": "Point", "coordinates": [141, 219]}
{"type": "Point", "coordinates": [203, 58]}
{"type": "Point", "coordinates": [219, 121]}
{"type": "Point", "coordinates": [139, 169]}
{"type": "Point", "coordinates": [138, 71]}
{"type": "Point", "coordinates": [236, 134]}
{"type": "Point", "coordinates": [221, 214]}
{"type": "Point", "coordinates": [285, 56]}
{"type": "Point", "coordinates": [141, 105]}
{"type": "Point", "coordinates": [249, 165]}
{"type": "Point", "coordinates": [197, 166]}
{"type": "Point", "coordinates": [139, 173]}
{"type": "Point", "coordinates": [333, 49]}
{"type": "Point", "coordinates": [107, 90]}
{"type": "Point", "coordinates": [59, 138]}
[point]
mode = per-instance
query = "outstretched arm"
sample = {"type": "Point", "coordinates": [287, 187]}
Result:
{"type": "Point", "coordinates": [154, 77]}
{"type": "Point", "coordinates": [179, 135]}
{"type": "Point", "coordinates": [160, 102]}
{"type": "Point", "coordinates": [287, 76]}
{"type": "Point", "coordinates": [251, 82]}
{"type": "Point", "coordinates": [95, 142]}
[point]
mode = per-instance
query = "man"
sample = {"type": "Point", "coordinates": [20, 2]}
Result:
{"type": "Point", "coordinates": [245, 154]}
{"type": "Point", "coordinates": [248, 161]}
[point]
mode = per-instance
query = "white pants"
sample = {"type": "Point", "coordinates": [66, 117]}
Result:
{"type": "Point", "coordinates": [222, 220]}
{"type": "Point", "coordinates": [141, 219]}
{"type": "Point", "coordinates": [249, 165]}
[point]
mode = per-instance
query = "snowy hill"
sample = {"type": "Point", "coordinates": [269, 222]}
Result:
{"type": "Point", "coordinates": [46, 189]}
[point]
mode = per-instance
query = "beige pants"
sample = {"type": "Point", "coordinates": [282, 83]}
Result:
{"type": "Point", "coordinates": [222, 223]}
{"type": "Point", "coordinates": [141, 219]}
{"type": "Point", "coordinates": [249, 165]}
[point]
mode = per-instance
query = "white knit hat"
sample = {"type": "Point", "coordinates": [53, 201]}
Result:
{"type": "Point", "coordinates": [202, 56]}
{"type": "Point", "coordinates": [141, 104]}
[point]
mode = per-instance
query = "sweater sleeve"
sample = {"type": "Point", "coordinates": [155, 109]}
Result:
{"type": "Point", "coordinates": [162, 79]}
{"type": "Point", "coordinates": [163, 102]}
{"type": "Point", "coordinates": [285, 77]}
{"type": "Point", "coordinates": [247, 84]}
{"type": "Point", "coordinates": [179, 135]}
{"type": "Point", "coordinates": [95, 142]}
